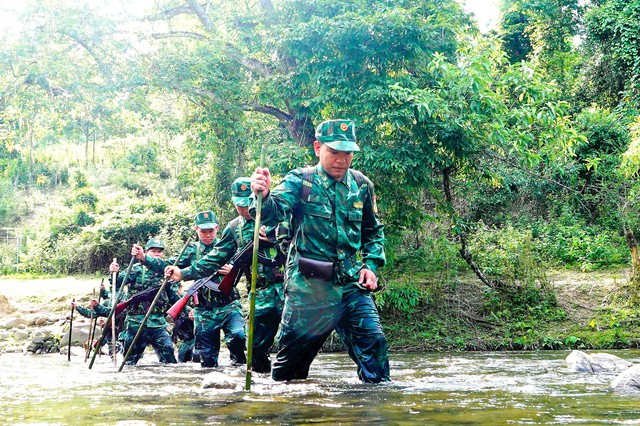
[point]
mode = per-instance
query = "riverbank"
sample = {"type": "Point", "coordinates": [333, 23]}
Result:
{"type": "Point", "coordinates": [597, 315]}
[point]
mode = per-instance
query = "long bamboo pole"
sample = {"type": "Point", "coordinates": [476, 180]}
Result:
{"type": "Point", "coordinates": [254, 278]}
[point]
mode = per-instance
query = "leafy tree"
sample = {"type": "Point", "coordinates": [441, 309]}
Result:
{"type": "Point", "coordinates": [611, 54]}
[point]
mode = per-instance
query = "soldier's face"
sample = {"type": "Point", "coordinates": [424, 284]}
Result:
{"type": "Point", "coordinates": [207, 236]}
{"type": "Point", "coordinates": [244, 212]}
{"type": "Point", "coordinates": [155, 252]}
{"type": "Point", "coordinates": [335, 163]}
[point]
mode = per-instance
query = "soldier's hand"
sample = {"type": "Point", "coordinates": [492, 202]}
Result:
{"type": "Point", "coordinates": [261, 181]}
{"type": "Point", "coordinates": [368, 280]}
{"type": "Point", "coordinates": [191, 315]}
{"type": "Point", "coordinates": [94, 303]}
{"type": "Point", "coordinates": [173, 273]}
{"type": "Point", "coordinates": [138, 252]}
{"type": "Point", "coordinates": [263, 233]}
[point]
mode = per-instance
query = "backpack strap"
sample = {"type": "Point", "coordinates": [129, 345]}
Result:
{"type": "Point", "coordinates": [307, 183]}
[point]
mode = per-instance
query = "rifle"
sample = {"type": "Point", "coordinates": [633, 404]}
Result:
{"type": "Point", "coordinates": [239, 260]}
{"type": "Point", "coordinates": [142, 296]}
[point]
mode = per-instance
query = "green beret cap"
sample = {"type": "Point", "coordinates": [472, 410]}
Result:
{"type": "Point", "coordinates": [154, 243]}
{"type": "Point", "coordinates": [206, 220]}
{"type": "Point", "coordinates": [241, 191]}
{"type": "Point", "coordinates": [338, 134]}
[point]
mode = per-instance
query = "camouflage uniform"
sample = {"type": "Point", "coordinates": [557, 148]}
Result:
{"type": "Point", "coordinates": [102, 310]}
{"type": "Point", "coordinates": [269, 298]}
{"type": "Point", "coordinates": [155, 330]}
{"type": "Point", "coordinates": [213, 312]}
{"type": "Point", "coordinates": [337, 220]}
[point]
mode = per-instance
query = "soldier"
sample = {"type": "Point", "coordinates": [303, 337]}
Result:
{"type": "Point", "coordinates": [327, 286]}
{"type": "Point", "coordinates": [270, 293]}
{"type": "Point", "coordinates": [214, 311]}
{"type": "Point", "coordinates": [155, 330]}
{"type": "Point", "coordinates": [103, 309]}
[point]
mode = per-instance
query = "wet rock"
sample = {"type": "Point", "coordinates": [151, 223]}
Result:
{"type": "Point", "coordinates": [43, 342]}
{"type": "Point", "coordinates": [595, 363]}
{"type": "Point", "coordinates": [20, 334]}
{"type": "Point", "coordinates": [218, 380]}
{"type": "Point", "coordinates": [628, 380]}
{"type": "Point", "coordinates": [79, 334]}
{"type": "Point", "coordinates": [13, 322]}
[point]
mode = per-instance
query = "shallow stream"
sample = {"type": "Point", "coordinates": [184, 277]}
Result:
{"type": "Point", "coordinates": [427, 388]}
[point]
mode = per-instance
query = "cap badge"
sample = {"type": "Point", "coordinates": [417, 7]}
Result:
{"type": "Point", "coordinates": [206, 215]}
{"type": "Point", "coordinates": [344, 127]}
{"type": "Point", "coordinates": [243, 187]}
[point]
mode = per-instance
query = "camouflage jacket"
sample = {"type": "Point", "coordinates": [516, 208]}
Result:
{"type": "Point", "coordinates": [142, 278]}
{"type": "Point", "coordinates": [337, 223]}
{"type": "Point", "coordinates": [207, 299]}
{"type": "Point", "coordinates": [235, 236]}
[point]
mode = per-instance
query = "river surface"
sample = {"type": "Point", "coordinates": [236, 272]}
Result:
{"type": "Point", "coordinates": [484, 388]}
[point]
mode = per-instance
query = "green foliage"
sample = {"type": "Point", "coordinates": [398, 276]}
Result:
{"type": "Point", "coordinates": [585, 247]}
{"type": "Point", "coordinates": [80, 180]}
{"type": "Point", "coordinates": [84, 197]}
{"type": "Point", "coordinates": [510, 255]}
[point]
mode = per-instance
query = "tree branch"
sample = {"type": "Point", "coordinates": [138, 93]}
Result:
{"type": "Point", "coordinates": [172, 34]}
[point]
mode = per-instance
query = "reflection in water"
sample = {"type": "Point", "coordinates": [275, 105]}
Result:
{"type": "Point", "coordinates": [427, 388]}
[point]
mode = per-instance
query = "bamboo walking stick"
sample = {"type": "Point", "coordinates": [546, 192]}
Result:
{"type": "Point", "coordinates": [70, 329]}
{"type": "Point", "coordinates": [93, 320]}
{"type": "Point", "coordinates": [111, 313]}
{"type": "Point", "coordinates": [114, 282]}
{"type": "Point", "coordinates": [254, 278]}
{"type": "Point", "coordinates": [153, 304]}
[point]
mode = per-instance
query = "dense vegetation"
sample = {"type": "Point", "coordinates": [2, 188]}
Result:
{"type": "Point", "coordinates": [497, 157]}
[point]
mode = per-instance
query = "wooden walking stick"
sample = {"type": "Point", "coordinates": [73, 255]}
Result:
{"type": "Point", "coordinates": [114, 282]}
{"type": "Point", "coordinates": [93, 320]}
{"type": "Point", "coordinates": [254, 278]}
{"type": "Point", "coordinates": [153, 304]}
{"type": "Point", "coordinates": [70, 329]}
{"type": "Point", "coordinates": [111, 314]}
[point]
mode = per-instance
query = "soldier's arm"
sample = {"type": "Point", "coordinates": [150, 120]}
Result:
{"type": "Point", "coordinates": [158, 265]}
{"type": "Point", "coordinates": [220, 254]}
{"type": "Point", "coordinates": [279, 203]}
{"type": "Point", "coordinates": [372, 248]}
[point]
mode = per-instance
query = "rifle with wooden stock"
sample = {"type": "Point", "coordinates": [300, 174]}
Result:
{"type": "Point", "coordinates": [239, 261]}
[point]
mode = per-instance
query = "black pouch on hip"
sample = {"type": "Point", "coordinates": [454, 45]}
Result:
{"type": "Point", "coordinates": [312, 268]}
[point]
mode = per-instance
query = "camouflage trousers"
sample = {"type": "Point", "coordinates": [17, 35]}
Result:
{"type": "Point", "coordinates": [207, 326]}
{"type": "Point", "coordinates": [158, 337]}
{"type": "Point", "coordinates": [187, 352]}
{"type": "Point", "coordinates": [305, 327]}
{"type": "Point", "coordinates": [268, 311]}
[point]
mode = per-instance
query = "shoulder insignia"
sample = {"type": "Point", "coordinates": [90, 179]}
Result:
{"type": "Point", "coordinates": [358, 204]}
{"type": "Point", "coordinates": [375, 205]}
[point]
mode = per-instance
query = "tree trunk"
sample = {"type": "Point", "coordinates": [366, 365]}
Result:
{"type": "Point", "coordinates": [495, 284]}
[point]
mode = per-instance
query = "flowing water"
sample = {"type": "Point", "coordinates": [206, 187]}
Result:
{"type": "Point", "coordinates": [488, 388]}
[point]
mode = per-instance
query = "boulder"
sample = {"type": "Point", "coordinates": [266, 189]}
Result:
{"type": "Point", "coordinates": [21, 334]}
{"type": "Point", "coordinates": [43, 342]}
{"type": "Point", "coordinates": [13, 322]}
{"type": "Point", "coordinates": [595, 363]}
{"type": "Point", "coordinates": [79, 335]}
{"type": "Point", "coordinates": [628, 380]}
{"type": "Point", "coordinates": [218, 380]}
